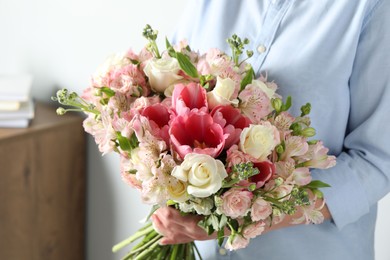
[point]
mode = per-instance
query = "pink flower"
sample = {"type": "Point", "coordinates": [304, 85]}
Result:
{"type": "Point", "coordinates": [198, 133]}
{"type": "Point", "coordinates": [255, 103]}
{"type": "Point", "coordinates": [236, 202]}
{"type": "Point", "coordinates": [294, 146]}
{"type": "Point", "coordinates": [235, 156]}
{"type": "Point", "coordinates": [266, 171]}
{"type": "Point", "coordinates": [254, 230]}
{"type": "Point", "coordinates": [188, 97]}
{"type": "Point", "coordinates": [159, 117]}
{"type": "Point", "coordinates": [317, 157]}
{"type": "Point", "coordinates": [261, 209]}
{"type": "Point", "coordinates": [236, 241]}
{"type": "Point", "coordinates": [232, 122]}
{"type": "Point", "coordinates": [157, 113]}
{"type": "Point", "coordinates": [128, 177]}
{"type": "Point", "coordinates": [286, 170]}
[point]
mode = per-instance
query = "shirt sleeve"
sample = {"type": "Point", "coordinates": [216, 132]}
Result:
{"type": "Point", "coordinates": [362, 174]}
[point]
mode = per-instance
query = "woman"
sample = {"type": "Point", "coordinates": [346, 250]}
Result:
{"type": "Point", "coordinates": [335, 55]}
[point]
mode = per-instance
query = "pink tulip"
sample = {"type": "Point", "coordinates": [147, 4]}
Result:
{"type": "Point", "coordinates": [232, 122]}
{"type": "Point", "coordinates": [266, 171]}
{"type": "Point", "coordinates": [188, 97]}
{"type": "Point", "coordinates": [157, 113]}
{"type": "Point", "coordinates": [198, 133]}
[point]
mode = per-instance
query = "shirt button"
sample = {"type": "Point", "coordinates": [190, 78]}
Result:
{"type": "Point", "coordinates": [261, 48]}
{"type": "Point", "coordinates": [222, 251]}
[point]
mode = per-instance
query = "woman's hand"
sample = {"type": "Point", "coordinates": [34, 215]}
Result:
{"type": "Point", "coordinates": [178, 229]}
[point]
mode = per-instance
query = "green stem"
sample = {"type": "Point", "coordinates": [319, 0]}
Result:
{"type": "Point", "coordinates": [197, 250]}
{"type": "Point", "coordinates": [174, 252]}
{"type": "Point", "coordinates": [147, 229]}
{"type": "Point", "coordinates": [147, 251]}
{"type": "Point", "coordinates": [146, 245]}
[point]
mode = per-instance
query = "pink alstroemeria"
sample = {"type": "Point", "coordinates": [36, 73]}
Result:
{"type": "Point", "coordinates": [188, 97]}
{"type": "Point", "coordinates": [317, 157]}
{"type": "Point", "coordinates": [198, 133]}
{"type": "Point", "coordinates": [255, 103]}
{"type": "Point", "coordinates": [232, 122]}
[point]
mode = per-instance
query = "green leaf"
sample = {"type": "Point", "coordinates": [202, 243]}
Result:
{"type": "Point", "coordinates": [286, 106]}
{"type": "Point", "coordinates": [124, 143]}
{"type": "Point", "coordinates": [223, 222]}
{"type": "Point", "coordinates": [317, 184]}
{"type": "Point", "coordinates": [247, 79]}
{"type": "Point", "coordinates": [109, 92]}
{"type": "Point", "coordinates": [221, 234]}
{"type": "Point", "coordinates": [186, 65]}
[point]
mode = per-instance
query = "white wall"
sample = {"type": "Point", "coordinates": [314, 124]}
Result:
{"type": "Point", "coordinates": [61, 43]}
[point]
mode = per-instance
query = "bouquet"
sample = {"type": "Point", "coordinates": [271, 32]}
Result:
{"type": "Point", "coordinates": [201, 133]}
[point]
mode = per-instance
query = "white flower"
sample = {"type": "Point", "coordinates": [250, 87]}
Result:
{"type": "Point", "coordinates": [222, 93]}
{"type": "Point", "coordinates": [162, 73]}
{"type": "Point", "coordinates": [177, 190]}
{"type": "Point", "coordinates": [203, 174]}
{"type": "Point", "coordinates": [259, 140]}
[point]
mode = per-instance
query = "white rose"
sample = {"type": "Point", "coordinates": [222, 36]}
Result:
{"type": "Point", "coordinates": [259, 140]}
{"type": "Point", "coordinates": [203, 174]}
{"type": "Point", "coordinates": [267, 90]}
{"type": "Point", "coordinates": [162, 73]}
{"type": "Point", "coordinates": [177, 190]}
{"type": "Point", "coordinates": [222, 93]}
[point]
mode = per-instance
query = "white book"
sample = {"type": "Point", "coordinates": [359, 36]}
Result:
{"type": "Point", "coordinates": [26, 111]}
{"type": "Point", "coordinates": [9, 105]}
{"type": "Point", "coordinates": [14, 123]}
{"type": "Point", "coordinates": [15, 87]}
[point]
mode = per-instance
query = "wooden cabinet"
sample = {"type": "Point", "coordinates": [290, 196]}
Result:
{"type": "Point", "coordinates": [43, 188]}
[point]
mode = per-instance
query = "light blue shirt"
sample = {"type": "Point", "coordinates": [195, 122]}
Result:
{"type": "Point", "coordinates": [335, 55]}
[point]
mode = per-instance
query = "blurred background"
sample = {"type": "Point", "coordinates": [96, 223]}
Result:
{"type": "Point", "coordinates": [61, 43]}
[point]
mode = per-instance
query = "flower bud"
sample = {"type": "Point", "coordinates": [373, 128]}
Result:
{"type": "Point", "coordinates": [252, 187]}
{"type": "Point", "coordinates": [277, 104]}
{"type": "Point", "coordinates": [61, 111]}
{"type": "Point", "coordinates": [278, 181]}
{"type": "Point", "coordinates": [308, 132]}
{"type": "Point", "coordinates": [305, 109]}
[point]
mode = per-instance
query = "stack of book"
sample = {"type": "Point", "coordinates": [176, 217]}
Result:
{"type": "Point", "coordinates": [16, 104]}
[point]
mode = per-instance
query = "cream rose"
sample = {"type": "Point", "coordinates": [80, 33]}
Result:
{"type": "Point", "coordinates": [162, 73]}
{"type": "Point", "coordinates": [259, 140]}
{"type": "Point", "coordinates": [203, 174]}
{"type": "Point", "coordinates": [177, 190]}
{"type": "Point", "coordinates": [267, 90]}
{"type": "Point", "coordinates": [222, 94]}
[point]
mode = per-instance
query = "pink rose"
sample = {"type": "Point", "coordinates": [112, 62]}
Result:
{"type": "Point", "coordinates": [236, 203]}
{"type": "Point", "coordinates": [254, 230]}
{"type": "Point", "coordinates": [198, 133]}
{"type": "Point", "coordinates": [236, 241]}
{"type": "Point", "coordinates": [261, 209]}
{"type": "Point", "coordinates": [235, 156]}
